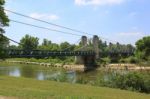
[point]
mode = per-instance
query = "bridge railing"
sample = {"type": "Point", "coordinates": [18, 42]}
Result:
{"type": "Point", "coordinates": [46, 53]}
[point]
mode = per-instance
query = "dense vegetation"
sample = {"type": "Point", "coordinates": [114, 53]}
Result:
{"type": "Point", "coordinates": [3, 22]}
{"type": "Point", "coordinates": [135, 81]}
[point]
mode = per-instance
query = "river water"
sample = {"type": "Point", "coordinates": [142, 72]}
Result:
{"type": "Point", "coordinates": [44, 73]}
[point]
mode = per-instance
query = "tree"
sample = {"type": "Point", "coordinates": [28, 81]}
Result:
{"type": "Point", "coordinates": [3, 45]}
{"type": "Point", "coordinates": [65, 46]}
{"type": "Point", "coordinates": [143, 48]}
{"type": "Point", "coordinates": [46, 42]}
{"type": "Point", "coordinates": [29, 43]}
{"type": "Point", "coordinates": [4, 21]}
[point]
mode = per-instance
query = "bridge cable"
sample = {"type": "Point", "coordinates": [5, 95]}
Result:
{"type": "Point", "coordinates": [81, 48]}
{"type": "Point", "coordinates": [46, 22]}
{"type": "Point", "coordinates": [54, 24]}
{"type": "Point", "coordinates": [44, 28]}
{"type": "Point", "coordinates": [12, 40]}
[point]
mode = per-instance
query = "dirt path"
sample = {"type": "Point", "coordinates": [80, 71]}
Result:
{"type": "Point", "coordinates": [3, 97]}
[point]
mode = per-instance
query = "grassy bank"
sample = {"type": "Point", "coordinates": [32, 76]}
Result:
{"type": "Point", "coordinates": [45, 60]}
{"type": "Point", "coordinates": [25, 88]}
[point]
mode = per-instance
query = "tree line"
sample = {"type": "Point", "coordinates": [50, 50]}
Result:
{"type": "Point", "coordinates": [109, 52]}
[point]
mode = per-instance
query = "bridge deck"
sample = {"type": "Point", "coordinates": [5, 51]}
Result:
{"type": "Point", "coordinates": [46, 53]}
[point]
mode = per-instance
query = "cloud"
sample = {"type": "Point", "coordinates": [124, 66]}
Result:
{"type": "Point", "coordinates": [129, 37]}
{"type": "Point", "coordinates": [44, 16]}
{"type": "Point", "coordinates": [131, 34]}
{"type": "Point", "coordinates": [98, 2]}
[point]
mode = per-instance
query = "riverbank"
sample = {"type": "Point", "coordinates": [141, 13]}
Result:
{"type": "Point", "coordinates": [70, 65]}
{"type": "Point", "coordinates": [79, 67]}
{"type": "Point", "coordinates": [57, 65]}
{"type": "Point", "coordinates": [129, 67]}
{"type": "Point", "coordinates": [25, 88]}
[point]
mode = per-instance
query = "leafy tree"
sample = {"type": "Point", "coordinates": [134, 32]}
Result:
{"type": "Point", "coordinates": [46, 42]}
{"type": "Point", "coordinates": [29, 43]}
{"type": "Point", "coordinates": [13, 47]}
{"type": "Point", "coordinates": [3, 22]}
{"type": "Point", "coordinates": [3, 45]}
{"type": "Point", "coordinates": [143, 48]}
{"type": "Point", "coordinates": [55, 47]}
{"type": "Point", "coordinates": [3, 18]}
{"type": "Point", "coordinates": [66, 46]}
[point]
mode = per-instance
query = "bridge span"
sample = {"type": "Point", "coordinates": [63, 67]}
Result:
{"type": "Point", "coordinates": [13, 53]}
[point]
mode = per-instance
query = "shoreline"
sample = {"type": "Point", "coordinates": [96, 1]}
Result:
{"type": "Point", "coordinates": [128, 66]}
{"type": "Point", "coordinates": [80, 67]}
{"type": "Point", "coordinates": [66, 67]}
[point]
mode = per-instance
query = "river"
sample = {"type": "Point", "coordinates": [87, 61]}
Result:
{"type": "Point", "coordinates": [44, 73]}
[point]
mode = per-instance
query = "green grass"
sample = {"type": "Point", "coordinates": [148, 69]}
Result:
{"type": "Point", "coordinates": [25, 88]}
{"type": "Point", "coordinates": [45, 60]}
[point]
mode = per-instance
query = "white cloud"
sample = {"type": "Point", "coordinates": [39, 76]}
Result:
{"type": "Point", "coordinates": [129, 37]}
{"type": "Point", "coordinates": [98, 2]}
{"type": "Point", "coordinates": [44, 16]}
{"type": "Point", "coordinates": [131, 34]}
{"type": "Point", "coordinates": [134, 28]}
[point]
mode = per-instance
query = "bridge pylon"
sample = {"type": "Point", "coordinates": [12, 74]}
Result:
{"type": "Point", "coordinates": [88, 61]}
{"type": "Point", "coordinates": [80, 59]}
{"type": "Point", "coordinates": [96, 46]}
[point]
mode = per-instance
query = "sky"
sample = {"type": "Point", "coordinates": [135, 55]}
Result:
{"type": "Point", "coordinates": [124, 21]}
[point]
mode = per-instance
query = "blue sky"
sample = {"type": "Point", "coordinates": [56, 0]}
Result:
{"type": "Point", "coordinates": [124, 21]}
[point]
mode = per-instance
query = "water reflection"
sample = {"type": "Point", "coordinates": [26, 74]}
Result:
{"type": "Point", "coordinates": [14, 72]}
{"type": "Point", "coordinates": [40, 76]}
{"type": "Point", "coordinates": [28, 71]}
{"type": "Point", "coordinates": [37, 73]}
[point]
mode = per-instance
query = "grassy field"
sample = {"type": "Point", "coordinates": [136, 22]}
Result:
{"type": "Point", "coordinates": [25, 88]}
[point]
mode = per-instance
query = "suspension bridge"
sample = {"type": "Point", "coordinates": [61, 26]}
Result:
{"type": "Point", "coordinates": [82, 55]}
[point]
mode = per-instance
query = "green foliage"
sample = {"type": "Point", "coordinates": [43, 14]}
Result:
{"type": "Point", "coordinates": [130, 59]}
{"type": "Point", "coordinates": [3, 18]}
{"type": "Point", "coordinates": [3, 22]}
{"type": "Point", "coordinates": [64, 45]}
{"type": "Point", "coordinates": [130, 81]}
{"type": "Point", "coordinates": [143, 48]}
{"type": "Point", "coordinates": [46, 42]}
{"type": "Point", "coordinates": [29, 43]}
{"type": "Point", "coordinates": [59, 77]}
{"type": "Point", "coordinates": [55, 60]}
{"type": "Point", "coordinates": [3, 45]}
{"type": "Point", "coordinates": [105, 60]}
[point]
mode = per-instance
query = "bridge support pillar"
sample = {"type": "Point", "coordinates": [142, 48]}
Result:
{"type": "Point", "coordinates": [80, 59]}
{"type": "Point", "coordinates": [88, 61]}
{"type": "Point", "coordinates": [85, 60]}
{"type": "Point", "coordinates": [95, 45]}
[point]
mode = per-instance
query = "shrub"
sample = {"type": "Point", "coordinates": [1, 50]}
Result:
{"type": "Point", "coordinates": [131, 81]}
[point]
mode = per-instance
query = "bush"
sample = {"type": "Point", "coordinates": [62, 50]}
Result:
{"type": "Point", "coordinates": [130, 59]}
{"type": "Point", "coordinates": [105, 60]}
{"type": "Point", "coordinates": [131, 81]}
{"type": "Point", "coordinates": [133, 60]}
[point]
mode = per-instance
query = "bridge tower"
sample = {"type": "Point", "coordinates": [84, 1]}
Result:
{"type": "Point", "coordinates": [80, 59]}
{"type": "Point", "coordinates": [84, 42]}
{"type": "Point", "coordinates": [96, 46]}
